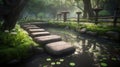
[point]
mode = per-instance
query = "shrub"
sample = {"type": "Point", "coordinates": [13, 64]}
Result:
{"type": "Point", "coordinates": [104, 13]}
{"type": "Point", "coordinates": [100, 29]}
{"type": "Point", "coordinates": [14, 44]}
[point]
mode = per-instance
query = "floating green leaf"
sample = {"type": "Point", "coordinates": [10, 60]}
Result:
{"type": "Point", "coordinates": [52, 63]}
{"type": "Point", "coordinates": [104, 58]}
{"type": "Point", "coordinates": [104, 65]}
{"type": "Point", "coordinates": [58, 63]}
{"type": "Point", "coordinates": [114, 59]}
{"type": "Point", "coordinates": [72, 64]}
{"type": "Point", "coordinates": [45, 66]}
{"type": "Point", "coordinates": [48, 59]}
{"type": "Point", "coordinates": [61, 60]}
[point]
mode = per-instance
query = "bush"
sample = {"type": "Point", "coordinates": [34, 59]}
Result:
{"type": "Point", "coordinates": [104, 13]}
{"type": "Point", "coordinates": [100, 29]}
{"type": "Point", "coordinates": [14, 44]}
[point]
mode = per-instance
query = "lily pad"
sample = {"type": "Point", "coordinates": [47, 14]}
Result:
{"type": "Point", "coordinates": [72, 64]}
{"type": "Point", "coordinates": [48, 59]}
{"type": "Point", "coordinates": [45, 66]}
{"type": "Point", "coordinates": [104, 58]}
{"type": "Point", "coordinates": [104, 65]}
{"type": "Point", "coordinates": [61, 60]}
{"type": "Point", "coordinates": [114, 59]}
{"type": "Point", "coordinates": [52, 63]}
{"type": "Point", "coordinates": [58, 63]}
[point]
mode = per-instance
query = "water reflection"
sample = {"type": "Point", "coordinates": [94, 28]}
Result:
{"type": "Point", "coordinates": [83, 43]}
{"type": "Point", "coordinates": [90, 51]}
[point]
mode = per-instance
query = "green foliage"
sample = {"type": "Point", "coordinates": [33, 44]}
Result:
{"type": "Point", "coordinates": [48, 7]}
{"type": "Point", "coordinates": [100, 29]}
{"type": "Point", "coordinates": [14, 44]}
{"type": "Point", "coordinates": [41, 15]}
{"type": "Point", "coordinates": [104, 13]}
{"type": "Point", "coordinates": [14, 37]}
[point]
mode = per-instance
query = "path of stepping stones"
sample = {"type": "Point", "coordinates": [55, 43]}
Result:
{"type": "Point", "coordinates": [53, 44]}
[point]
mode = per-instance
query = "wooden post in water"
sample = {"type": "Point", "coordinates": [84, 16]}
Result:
{"type": "Point", "coordinates": [65, 15]}
{"type": "Point", "coordinates": [97, 10]}
{"type": "Point", "coordinates": [60, 15]}
{"type": "Point", "coordinates": [78, 16]}
{"type": "Point", "coordinates": [57, 17]}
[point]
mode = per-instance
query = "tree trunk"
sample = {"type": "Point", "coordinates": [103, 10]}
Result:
{"type": "Point", "coordinates": [11, 18]}
{"type": "Point", "coordinates": [88, 9]}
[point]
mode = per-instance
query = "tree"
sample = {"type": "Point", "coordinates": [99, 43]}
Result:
{"type": "Point", "coordinates": [10, 11]}
{"type": "Point", "coordinates": [48, 7]}
{"type": "Point", "coordinates": [87, 8]}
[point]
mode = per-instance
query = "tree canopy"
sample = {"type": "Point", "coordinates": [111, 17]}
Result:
{"type": "Point", "coordinates": [10, 9]}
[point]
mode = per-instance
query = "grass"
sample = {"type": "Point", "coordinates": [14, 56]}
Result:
{"type": "Point", "coordinates": [101, 28]}
{"type": "Point", "coordinates": [15, 44]}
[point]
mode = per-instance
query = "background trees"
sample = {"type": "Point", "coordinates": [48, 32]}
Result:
{"type": "Point", "coordinates": [48, 7]}
{"type": "Point", "coordinates": [10, 9]}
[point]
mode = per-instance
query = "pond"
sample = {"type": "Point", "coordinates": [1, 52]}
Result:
{"type": "Point", "coordinates": [83, 41]}
{"type": "Point", "coordinates": [96, 47]}
{"type": "Point", "coordinates": [90, 52]}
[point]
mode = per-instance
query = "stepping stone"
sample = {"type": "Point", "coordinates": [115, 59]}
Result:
{"type": "Point", "coordinates": [35, 34]}
{"type": "Point", "coordinates": [24, 26]}
{"type": "Point", "coordinates": [83, 30]}
{"type": "Point", "coordinates": [36, 30]}
{"type": "Point", "coordinates": [59, 48]}
{"type": "Point", "coordinates": [34, 27]}
{"type": "Point", "coordinates": [47, 39]}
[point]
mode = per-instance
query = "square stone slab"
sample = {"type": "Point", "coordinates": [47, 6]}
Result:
{"type": "Point", "coordinates": [59, 48]}
{"type": "Point", "coordinates": [36, 34]}
{"type": "Point", "coordinates": [25, 26]}
{"type": "Point", "coordinates": [33, 27]}
{"type": "Point", "coordinates": [47, 39]}
{"type": "Point", "coordinates": [36, 30]}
